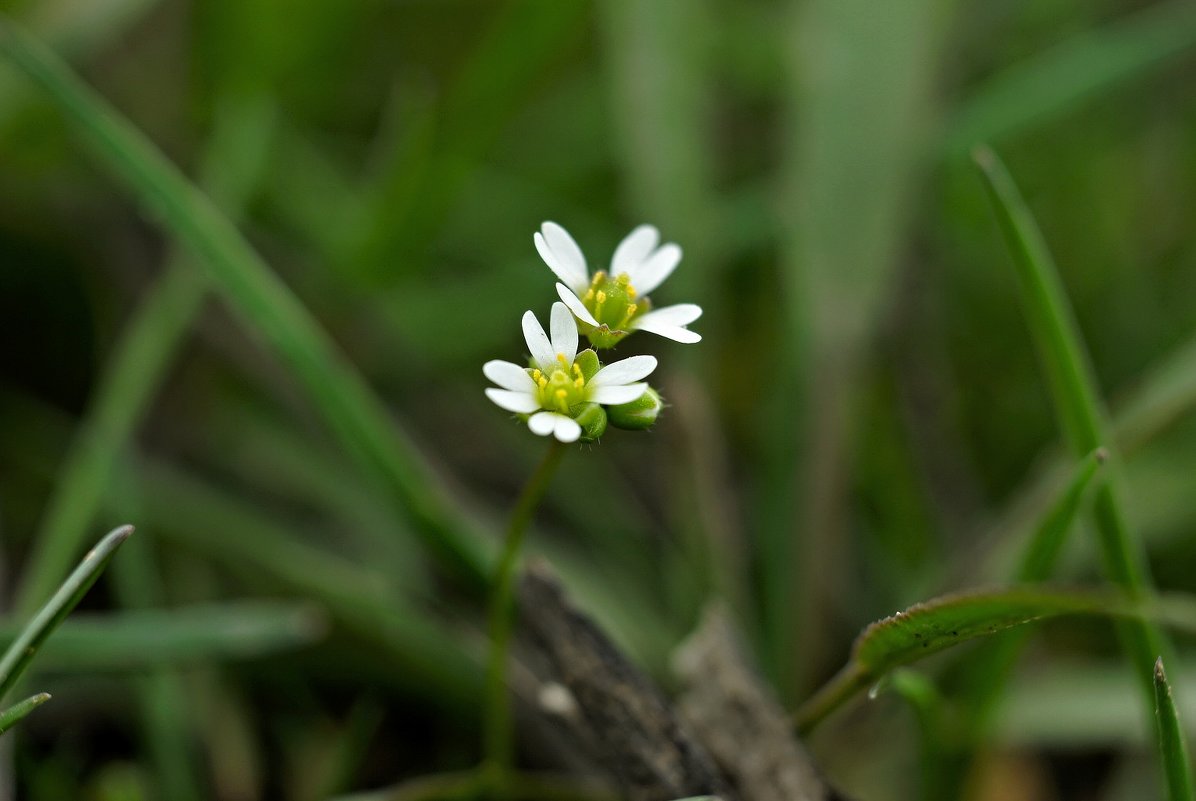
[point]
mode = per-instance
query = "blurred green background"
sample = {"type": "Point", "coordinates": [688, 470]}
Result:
{"type": "Point", "coordinates": [863, 426]}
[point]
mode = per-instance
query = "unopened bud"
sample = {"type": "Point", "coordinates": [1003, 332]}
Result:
{"type": "Point", "coordinates": [639, 414]}
{"type": "Point", "coordinates": [592, 419]}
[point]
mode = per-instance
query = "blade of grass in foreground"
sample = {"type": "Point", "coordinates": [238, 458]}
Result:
{"type": "Point", "coordinates": [18, 711]}
{"type": "Point", "coordinates": [1176, 770]}
{"type": "Point", "coordinates": [1078, 407]}
{"type": "Point", "coordinates": [25, 647]}
{"type": "Point", "coordinates": [352, 411]}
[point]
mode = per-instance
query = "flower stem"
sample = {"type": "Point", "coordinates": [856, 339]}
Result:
{"type": "Point", "coordinates": [498, 743]}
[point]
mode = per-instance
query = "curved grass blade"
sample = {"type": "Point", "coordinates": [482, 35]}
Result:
{"type": "Point", "coordinates": [1177, 770]}
{"type": "Point", "coordinates": [25, 646]}
{"type": "Point", "coordinates": [352, 411]}
{"type": "Point", "coordinates": [942, 623]}
{"type": "Point", "coordinates": [1077, 401]}
{"type": "Point", "coordinates": [19, 711]}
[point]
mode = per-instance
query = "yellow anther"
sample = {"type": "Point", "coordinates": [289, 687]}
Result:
{"type": "Point", "coordinates": [631, 309]}
{"type": "Point", "coordinates": [624, 279]}
{"type": "Point", "coordinates": [579, 382]}
{"type": "Point", "coordinates": [599, 277]}
{"type": "Point", "coordinates": [577, 368]}
{"type": "Point", "coordinates": [560, 357]}
{"type": "Point", "coordinates": [536, 374]}
{"type": "Point", "coordinates": [589, 295]}
{"type": "Point", "coordinates": [631, 293]}
{"type": "Point", "coordinates": [560, 393]}
{"type": "Point", "coordinates": [542, 381]}
{"type": "Point", "coordinates": [601, 297]}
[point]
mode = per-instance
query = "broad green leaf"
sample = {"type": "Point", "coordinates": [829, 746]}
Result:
{"type": "Point", "coordinates": [18, 711]}
{"type": "Point", "coordinates": [1177, 768]}
{"type": "Point", "coordinates": [22, 650]}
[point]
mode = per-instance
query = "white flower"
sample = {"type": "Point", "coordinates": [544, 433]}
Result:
{"type": "Point", "coordinates": [558, 383]}
{"type": "Point", "coordinates": [606, 305]}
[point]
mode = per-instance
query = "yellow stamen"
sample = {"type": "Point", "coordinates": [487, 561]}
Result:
{"type": "Point", "coordinates": [589, 295]}
{"type": "Point", "coordinates": [542, 381]}
{"type": "Point", "coordinates": [560, 357]}
{"type": "Point", "coordinates": [561, 403]}
{"type": "Point", "coordinates": [536, 374]}
{"type": "Point", "coordinates": [631, 293]}
{"type": "Point", "coordinates": [601, 297]}
{"type": "Point", "coordinates": [579, 382]}
{"type": "Point", "coordinates": [623, 279]}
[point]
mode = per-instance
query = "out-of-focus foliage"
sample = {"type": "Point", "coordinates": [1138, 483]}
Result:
{"type": "Point", "coordinates": [864, 425]}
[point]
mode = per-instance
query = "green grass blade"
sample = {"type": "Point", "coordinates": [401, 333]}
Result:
{"type": "Point", "coordinates": [1042, 552]}
{"type": "Point", "coordinates": [25, 646]}
{"type": "Point", "coordinates": [137, 640]}
{"type": "Point", "coordinates": [1073, 388]}
{"type": "Point", "coordinates": [927, 704]}
{"type": "Point", "coordinates": [357, 417]}
{"type": "Point", "coordinates": [1177, 768]}
{"type": "Point", "coordinates": [1065, 76]}
{"type": "Point", "coordinates": [19, 711]}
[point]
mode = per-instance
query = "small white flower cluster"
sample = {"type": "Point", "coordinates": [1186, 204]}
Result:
{"type": "Point", "coordinates": [563, 392]}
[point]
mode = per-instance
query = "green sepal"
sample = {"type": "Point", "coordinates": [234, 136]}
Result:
{"type": "Point", "coordinates": [587, 360]}
{"type": "Point", "coordinates": [639, 414]}
{"type": "Point", "coordinates": [592, 419]}
{"type": "Point", "coordinates": [603, 337]}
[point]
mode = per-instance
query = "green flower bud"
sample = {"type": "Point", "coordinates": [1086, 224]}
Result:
{"type": "Point", "coordinates": [592, 419]}
{"type": "Point", "coordinates": [587, 360]}
{"type": "Point", "coordinates": [639, 414]}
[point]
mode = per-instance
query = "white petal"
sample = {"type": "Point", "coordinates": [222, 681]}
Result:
{"type": "Point", "coordinates": [564, 332]}
{"type": "Point", "coordinates": [567, 429]}
{"type": "Point", "coordinates": [562, 255]}
{"type": "Point", "coordinates": [679, 314]}
{"type": "Point", "coordinates": [575, 305]}
{"type": "Point", "coordinates": [659, 266]}
{"type": "Point", "coordinates": [634, 250]}
{"type": "Point", "coordinates": [673, 332]}
{"type": "Point", "coordinates": [623, 372]}
{"type": "Point", "coordinates": [537, 342]}
{"type": "Point", "coordinates": [509, 376]}
{"type": "Point", "coordinates": [518, 402]}
{"type": "Point", "coordinates": [611, 396]}
{"type": "Point", "coordinates": [542, 423]}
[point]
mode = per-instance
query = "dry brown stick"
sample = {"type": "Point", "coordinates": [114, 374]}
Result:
{"type": "Point", "coordinates": [738, 719]}
{"type": "Point", "coordinates": [637, 737]}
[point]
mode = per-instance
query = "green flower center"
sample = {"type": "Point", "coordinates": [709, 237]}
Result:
{"type": "Point", "coordinates": [611, 300]}
{"type": "Point", "coordinates": [561, 388]}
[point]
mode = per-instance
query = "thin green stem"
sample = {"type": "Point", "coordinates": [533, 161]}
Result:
{"type": "Point", "coordinates": [498, 742]}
